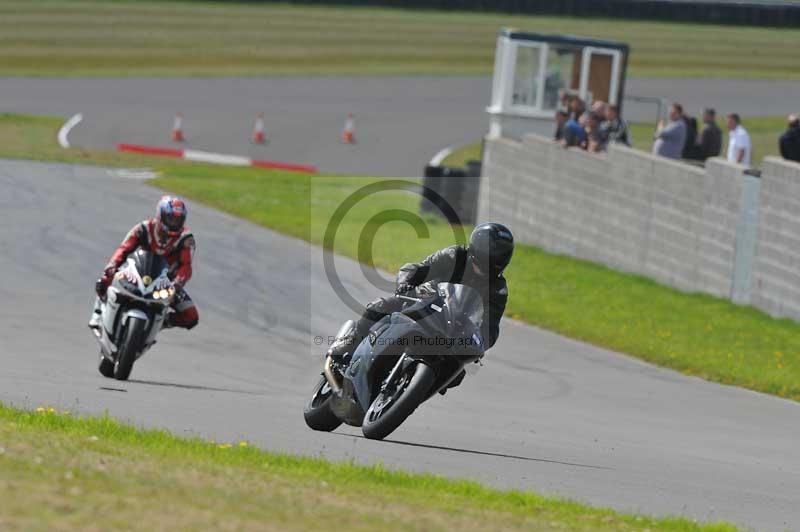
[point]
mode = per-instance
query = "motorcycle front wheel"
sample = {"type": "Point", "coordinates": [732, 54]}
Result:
{"type": "Point", "coordinates": [398, 401]}
{"type": "Point", "coordinates": [130, 346]}
{"type": "Point", "coordinates": [317, 412]}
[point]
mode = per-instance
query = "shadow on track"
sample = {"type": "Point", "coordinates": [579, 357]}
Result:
{"type": "Point", "coordinates": [479, 453]}
{"type": "Point", "coordinates": [109, 389]}
{"type": "Point", "coordinates": [194, 387]}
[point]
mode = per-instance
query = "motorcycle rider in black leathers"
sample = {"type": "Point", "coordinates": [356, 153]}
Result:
{"type": "Point", "coordinates": [479, 265]}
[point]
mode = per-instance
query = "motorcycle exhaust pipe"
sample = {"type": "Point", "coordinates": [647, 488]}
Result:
{"type": "Point", "coordinates": [327, 370]}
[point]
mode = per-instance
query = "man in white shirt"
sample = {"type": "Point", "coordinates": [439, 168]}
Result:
{"type": "Point", "coordinates": [739, 147]}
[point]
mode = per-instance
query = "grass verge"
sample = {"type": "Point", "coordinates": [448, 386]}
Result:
{"type": "Point", "coordinates": [34, 137]}
{"type": "Point", "coordinates": [463, 154]}
{"type": "Point", "coordinates": [696, 334]}
{"type": "Point", "coordinates": [125, 38]}
{"type": "Point", "coordinates": [65, 472]}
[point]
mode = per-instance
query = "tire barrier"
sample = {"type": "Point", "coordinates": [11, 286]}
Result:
{"type": "Point", "coordinates": [458, 187]}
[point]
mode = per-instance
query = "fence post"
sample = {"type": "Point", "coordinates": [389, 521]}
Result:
{"type": "Point", "coordinates": [746, 238]}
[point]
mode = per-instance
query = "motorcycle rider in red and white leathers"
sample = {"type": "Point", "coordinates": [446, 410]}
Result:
{"type": "Point", "coordinates": [167, 235]}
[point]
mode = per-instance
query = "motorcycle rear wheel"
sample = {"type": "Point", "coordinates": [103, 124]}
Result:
{"type": "Point", "coordinates": [392, 406]}
{"type": "Point", "coordinates": [129, 347]}
{"type": "Point", "coordinates": [317, 413]}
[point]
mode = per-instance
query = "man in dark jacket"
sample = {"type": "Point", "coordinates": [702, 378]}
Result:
{"type": "Point", "coordinates": [614, 128]}
{"type": "Point", "coordinates": [479, 265]}
{"type": "Point", "coordinates": [790, 140]}
{"type": "Point", "coordinates": [710, 136]}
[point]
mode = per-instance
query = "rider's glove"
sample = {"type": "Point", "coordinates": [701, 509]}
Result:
{"type": "Point", "coordinates": [404, 288]}
{"type": "Point", "coordinates": [108, 274]}
{"type": "Point", "coordinates": [101, 285]}
{"type": "Point", "coordinates": [101, 288]}
{"type": "Point", "coordinates": [178, 283]}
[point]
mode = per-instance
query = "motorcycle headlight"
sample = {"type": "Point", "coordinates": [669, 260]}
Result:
{"type": "Point", "coordinates": [163, 293]}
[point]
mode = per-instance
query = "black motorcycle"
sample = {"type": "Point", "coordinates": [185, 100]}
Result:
{"type": "Point", "coordinates": [407, 358]}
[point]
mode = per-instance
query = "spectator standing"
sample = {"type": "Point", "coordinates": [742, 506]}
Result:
{"type": "Point", "coordinates": [691, 150]}
{"type": "Point", "coordinates": [561, 120]}
{"type": "Point", "coordinates": [563, 100]}
{"type": "Point", "coordinates": [739, 147]}
{"type": "Point", "coordinates": [594, 133]}
{"type": "Point", "coordinates": [670, 138]}
{"type": "Point", "coordinates": [711, 135]}
{"type": "Point", "coordinates": [614, 128]}
{"type": "Point", "coordinates": [576, 108]}
{"type": "Point", "coordinates": [790, 141]}
{"type": "Point", "coordinates": [600, 109]}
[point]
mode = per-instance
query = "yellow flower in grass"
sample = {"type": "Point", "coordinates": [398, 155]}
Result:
{"type": "Point", "coordinates": [243, 443]}
{"type": "Point", "coordinates": [224, 446]}
{"type": "Point", "coordinates": [40, 410]}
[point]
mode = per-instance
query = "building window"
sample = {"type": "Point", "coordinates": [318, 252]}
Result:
{"type": "Point", "coordinates": [526, 77]}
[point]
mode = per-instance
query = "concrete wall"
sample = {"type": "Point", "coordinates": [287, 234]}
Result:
{"type": "Point", "coordinates": [691, 228]}
{"type": "Point", "coordinates": [776, 273]}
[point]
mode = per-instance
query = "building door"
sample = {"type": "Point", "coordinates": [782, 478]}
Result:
{"type": "Point", "coordinates": [599, 71]}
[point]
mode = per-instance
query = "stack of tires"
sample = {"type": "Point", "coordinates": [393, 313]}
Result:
{"type": "Point", "coordinates": [452, 192]}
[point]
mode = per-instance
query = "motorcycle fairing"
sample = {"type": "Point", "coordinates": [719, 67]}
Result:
{"type": "Point", "coordinates": [139, 266]}
{"type": "Point", "coordinates": [378, 352]}
{"type": "Point", "coordinates": [455, 314]}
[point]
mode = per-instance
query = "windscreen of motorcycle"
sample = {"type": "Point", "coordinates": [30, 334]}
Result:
{"type": "Point", "coordinates": [149, 264]}
{"type": "Point", "coordinates": [462, 301]}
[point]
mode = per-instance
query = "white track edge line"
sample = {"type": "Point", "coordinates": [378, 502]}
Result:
{"type": "Point", "coordinates": [441, 156]}
{"type": "Point", "coordinates": [218, 158]}
{"type": "Point", "coordinates": [66, 128]}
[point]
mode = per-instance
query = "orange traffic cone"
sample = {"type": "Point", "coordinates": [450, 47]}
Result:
{"type": "Point", "coordinates": [177, 128]}
{"type": "Point", "coordinates": [349, 133]}
{"type": "Point", "coordinates": [258, 131]}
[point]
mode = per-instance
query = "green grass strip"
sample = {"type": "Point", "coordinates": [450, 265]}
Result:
{"type": "Point", "coordinates": [77, 473]}
{"type": "Point", "coordinates": [126, 38]}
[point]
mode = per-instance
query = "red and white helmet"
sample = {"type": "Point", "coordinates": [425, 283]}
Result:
{"type": "Point", "coordinates": [170, 218]}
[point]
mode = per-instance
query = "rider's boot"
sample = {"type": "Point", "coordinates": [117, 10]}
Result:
{"type": "Point", "coordinates": [94, 320]}
{"type": "Point", "coordinates": [455, 382]}
{"type": "Point", "coordinates": [344, 343]}
{"type": "Point", "coordinates": [169, 321]}
{"type": "Point", "coordinates": [341, 347]}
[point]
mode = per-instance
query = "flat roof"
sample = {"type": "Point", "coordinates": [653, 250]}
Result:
{"type": "Point", "coordinates": [563, 39]}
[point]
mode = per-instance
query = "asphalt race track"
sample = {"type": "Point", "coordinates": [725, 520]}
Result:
{"type": "Point", "coordinates": [544, 413]}
{"type": "Point", "coordinates": [401, 122]}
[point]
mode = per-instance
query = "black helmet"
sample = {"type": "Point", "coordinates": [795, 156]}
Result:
{"type": "Point", "coordinates": [490, 248]}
